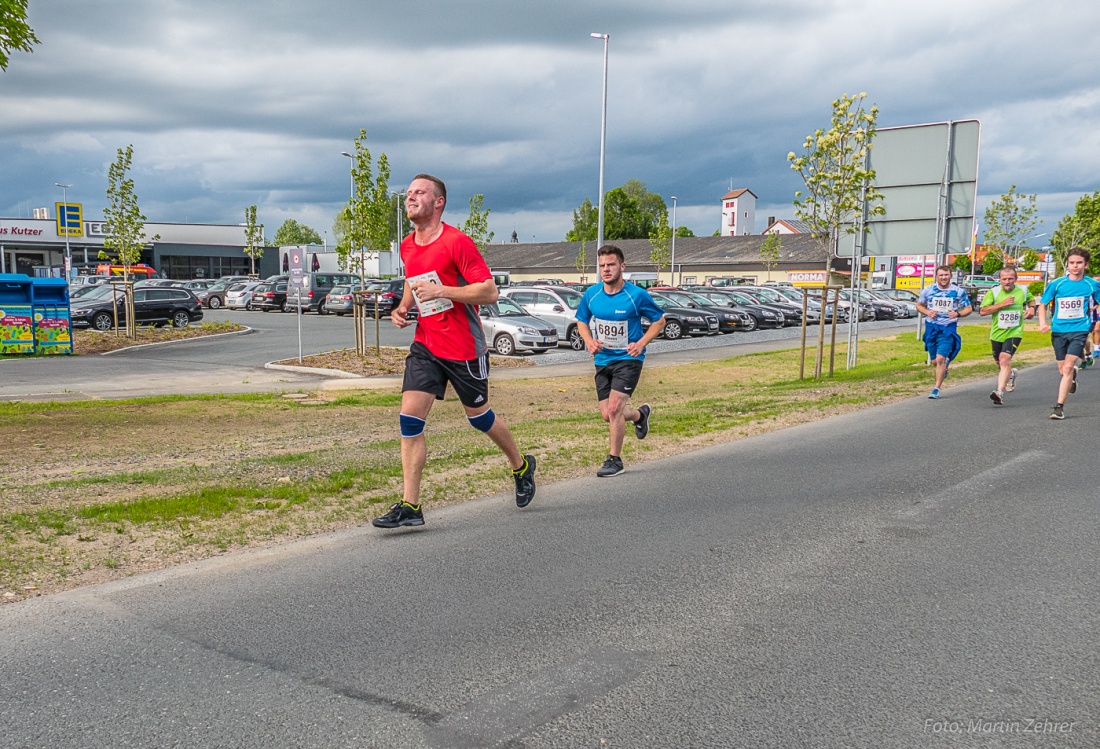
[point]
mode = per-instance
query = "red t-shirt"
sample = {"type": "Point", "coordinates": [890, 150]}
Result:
{"type": "Point", "coordinates": [455, 333]}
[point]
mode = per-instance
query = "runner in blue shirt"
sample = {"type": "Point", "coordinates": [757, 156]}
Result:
{"type": "Point", "coordinates": [1071, 298]}
{"type": "Point", "coordinates": [609, 319]}
{"type": "Point", "coordinates": [943, 303]}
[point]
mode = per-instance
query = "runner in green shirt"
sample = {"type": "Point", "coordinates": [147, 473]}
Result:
{"type": "Point", "coordinates": [1010, 305]}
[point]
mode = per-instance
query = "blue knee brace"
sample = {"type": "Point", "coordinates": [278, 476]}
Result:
{"type": "Point", "coordinates": [483, 421]}
{"type": "Point", "coordinates": [411, 426]}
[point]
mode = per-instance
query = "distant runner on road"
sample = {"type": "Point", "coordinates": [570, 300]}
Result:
{"type": "Point", "coordinates": [1072, 298]}
{"type": "Point", "coordinates": [1010, 305]}
{"type": "Point", "coordinates": [446, 279]}
{"type": "Point", "coordinates": [943, 303]}
{"type": "Point", "coordinates": [609, 319]}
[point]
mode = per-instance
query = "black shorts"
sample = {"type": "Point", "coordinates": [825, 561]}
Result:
{"type": "Point", "coordinates": [1008, 346]}
{"type": "Point", "coordinates": [621, 376]}
{"type": "Point", "coordinates": [1069, 344]}
{"type": "Point", "coordinates": [427, 373]}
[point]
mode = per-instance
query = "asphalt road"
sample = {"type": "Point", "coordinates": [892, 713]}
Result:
{"type": "Point", "coordinates": [235, 364]}
{"type": "Point", "coordinates": [916, 575]}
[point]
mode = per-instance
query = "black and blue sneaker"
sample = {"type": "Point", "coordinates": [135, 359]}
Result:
{"type": "Point", "coordinates": [525, 481]}
{"type": "Point", "coordinates": [641, 426]}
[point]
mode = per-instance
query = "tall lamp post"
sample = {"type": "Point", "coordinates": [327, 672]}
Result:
{"type": "Point", "coordinates": [672, 251]}
{"type": "Point", "coordinates": [603, 134]}
{"type": "Point", "coordinates": [397, 242]}
{"type": "Point", "coordinates": [351, 209]}
{"type": "Point", "coordinates": [65, 208]}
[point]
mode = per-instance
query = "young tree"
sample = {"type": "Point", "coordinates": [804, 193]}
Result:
{"type": "Point", "coordinates": [367, 215]}
{"type": "Point", "coordinates": [124, 220]}
{"type": "Point", "coordinates": [833, 168]}
{"type": "Point", "coordinates": [291, 232]}
{"type": "Point", "coordinates": [581, 261]}
{"type": "Point", "coordinates": [1009, 222]}
{"type": "Point", "coordinates": [659, 239]}
{"type": "Point", "coordinates": [476, 225]}
{"type": "Point", "coordinates": [15, 33]}
{"type": "Point", "coordinates": [769, 251]}
{"type": "Point", "coordinates": [631, 211]}
{"type": "Point", "coordinates": [253, 237]}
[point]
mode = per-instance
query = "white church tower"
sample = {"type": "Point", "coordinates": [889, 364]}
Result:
{"type": "Point", "coordinates": [738, 213]}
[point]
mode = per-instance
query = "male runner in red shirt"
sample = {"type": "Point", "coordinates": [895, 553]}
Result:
{"type": "Point", "coordinates": [446, 277]}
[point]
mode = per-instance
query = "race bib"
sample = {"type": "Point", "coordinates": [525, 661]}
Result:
{"type": "Point", "coordinates": [942, 304]}
{"type": "Point", "coordinates": [1008, 319]}
{"type": "Point", "coordinates": [1071, 308]}
{"type": "Point", "coordinates": [611, 332]}
{"type": "Point", "coordinates": [432, 306]}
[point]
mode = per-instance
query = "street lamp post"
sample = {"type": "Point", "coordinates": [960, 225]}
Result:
{"type": "Point", "coordinates": [397, 242]}
{"type": "Point", "coordinates": [65, 207]}
{"type": "Point", "coordinates": [603, 135]}
{"type": "Point", "coordinates": [672, 251]}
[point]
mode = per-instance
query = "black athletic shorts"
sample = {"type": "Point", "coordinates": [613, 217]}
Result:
{"type": "Point", "coordinates": [427, 373]}
{"type": "Point", "coordinates": [621, 375]}
{"type": "Point", "coordinates": [1069, 344]}
{"type": "Point", "coordinates": [1008, 346]}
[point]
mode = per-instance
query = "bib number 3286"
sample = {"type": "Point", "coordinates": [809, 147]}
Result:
{"type": "Point", "coordinates": [1008, 319]}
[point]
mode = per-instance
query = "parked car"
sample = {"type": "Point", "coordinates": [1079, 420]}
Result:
{"type": "Point", "coordinates": [78, 281]}
{"type": "Point", "coordinates": [318, 285]}
{"type": "Point", "coordinates": [880, 309]}
{"type": "Point", "coordinates": [557, 304]}
{"type": "Point", "coordinates": [902, 295]}
{"type": "Point", "coordinates": [215, 295]}
{"type": "Point", "coordinates": [906, 309]}
{"type": "Point", "coordinates": [813, 305]}
{"type": "Point", "coordinates": [270, 296]}
{"type": "Point", "coordinates": [383, 295]}
{"type": "Point", "coordinates": [681, 321]}
{"type": "Point", "coordinates": [509, 329]}
{"type": "Point", "coordinates": [152, 306]}
{"type": "Point", "coordinates": [340, 300]}
{"type": "Point", "coordinates": [729, 320]}
{"type": "Point", "coordinates": [792, 313]}
{"type": "Point", "coordinates": [239, 295]}
{"type": "Point", "coordinates": [757, 315]}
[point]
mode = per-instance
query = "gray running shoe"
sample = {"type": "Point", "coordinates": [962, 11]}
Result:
{"type": "Point", "coordinates": [997, 398]}
{"type": "Point", "coordinates": [641, 426]}
{"type": "Point", "coordinates": [1058, 414]}
{"type": "Point", "coordinates": [1011, 380]}
{"type": "Point", "coordinates": [1073, 385]}
{"type": "Point", "coordinates": [611, 467]}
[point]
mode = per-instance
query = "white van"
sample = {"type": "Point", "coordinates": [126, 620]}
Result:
{"type": "Point", "coordinates": [644, 280]}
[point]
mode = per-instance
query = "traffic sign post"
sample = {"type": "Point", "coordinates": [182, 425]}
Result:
{"type": "Point", "coordinates": [297, 266]}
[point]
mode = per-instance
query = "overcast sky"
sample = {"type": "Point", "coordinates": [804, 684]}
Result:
{"type": "Point", "coordinates": [233, 103]}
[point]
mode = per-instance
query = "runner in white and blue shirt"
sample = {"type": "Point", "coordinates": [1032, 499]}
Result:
{"type": "Point", "coordinates": [942, 304]}
{"type": "Point", "coordinates": [609, 320]}
{"type": "Point", "coordinates": [1072, 298]}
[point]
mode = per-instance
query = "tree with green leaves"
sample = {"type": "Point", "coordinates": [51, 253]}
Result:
{"type": "Point", "coordinates": [659, 239]}
{"type": "Point", "coordinates": [367, 224]}
{"type": "Point", "coordinates": [585, 223]}
{"type": "Point", "coordinates": [838, 183]}
{"type": "Point", "coordinates": [253, 238]}
{"type": "Point", "coordinates": [15, 33]}
{"type": "Point", "coordinates": [1079, 229]}
{"type": "Point", "coordinates": [683, 231]}
{"type": "Point", "coordinates": [476, 225]}
{"type": "Point", "coordinates": [769, 251]}
{"type": "Point", "coordinates": [1009, 222]}
{"type": "Point", "coordinates": [291, 232]}
{"type": "Point", "coordinates": [631, 211]}
{"type": "Point", "coordinates": [123, 217]}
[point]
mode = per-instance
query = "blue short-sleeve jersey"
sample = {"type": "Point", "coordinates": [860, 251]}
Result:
{"type": "Point", "coordinates": [630, 304]}
{"type": "Point", "coordinates": [1073, 303]}
{"type": "Point", "coordinates": [942, 301]}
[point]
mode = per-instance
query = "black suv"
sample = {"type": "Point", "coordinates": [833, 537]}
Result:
{"type": "Point", "coordinates": [153, 305]}
{"type": "Point", "coordinates": [387, 293]}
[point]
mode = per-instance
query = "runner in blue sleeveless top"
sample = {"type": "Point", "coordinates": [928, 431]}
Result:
{"type": "Point", "coordinates": [1072, 298]}
{"type": "Point", "coordinates": [609, 319]}
{"type": "Point", "coordinates": [942, 303]}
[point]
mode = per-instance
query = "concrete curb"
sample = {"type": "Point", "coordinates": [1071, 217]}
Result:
{"type": "Point", "coordinates": [246, 331]}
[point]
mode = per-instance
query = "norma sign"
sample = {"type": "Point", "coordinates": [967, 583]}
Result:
{"type": "Point", "coordinates": [806, 278]}
{"type": "Point", "coordinates": [70, 221]}
{"type": "Point", "coordinates": [296, 258]}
